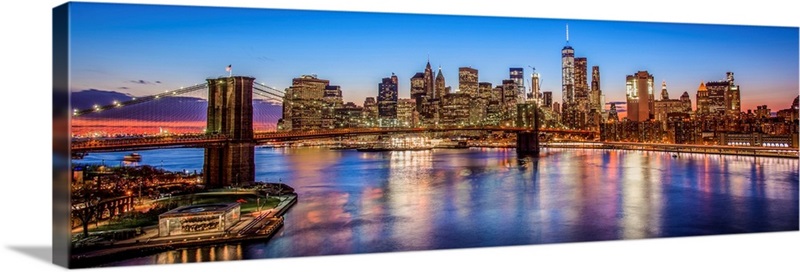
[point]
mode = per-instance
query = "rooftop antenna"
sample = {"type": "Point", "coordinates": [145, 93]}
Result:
{"type": "Point", "coordinates": [567, 33]}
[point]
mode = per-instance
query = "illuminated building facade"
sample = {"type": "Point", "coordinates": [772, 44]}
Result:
{"type": "Point", "coordinates": [581, 77]}
{"type": "Point", "coordinates": [547, 99]}
{"type": "Point", "coordinates": [567, 83]}
{"type": "Point", "coordinates": [332, 100]}
{"type": "Point", "coordinates": [304, 103]}
{"type": "Point", "coordinates": [596, 94]}
{"type": "Point", "coordinates": [702, 101]}
{"type": "Point", "coordinates": [518, 76]}
{"type": "Point", "coordinates": [407, 115]}
{"type": "Point", "coordinates": [456, 109]}
{"type": "Point", "coordinates": [510, 96]}
{"type": "Point", "coordinates": [468, 81]}
{"type": "Point", "coordinates": [724, 97]}
{"type": "Point", "coordinates": [686, 100]}
{"type": "Point", "coordinates": [439, 86]}
{"type": "Point", "coordinates": [350, 115]}
{"type": "Point", "coordinates": [536, 92]}
{"type": "Point", "coordinates": [613, 117]}
{"type": "Point", "coordinates": [639, 94]}
{"type": "Point", "coordinates": [387, 100]}
{"type": "Point", "coordinates": [196, 219]}
{"type": "Point", "coordinates": [418, 90]}
{"type": "Point", "coordinates": [370, 112]}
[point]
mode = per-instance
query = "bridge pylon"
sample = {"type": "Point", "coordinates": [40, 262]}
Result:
{"type": "Point", "coordinates": [528, 141]}
{"type": "Point", "coordinates": [230, 114]}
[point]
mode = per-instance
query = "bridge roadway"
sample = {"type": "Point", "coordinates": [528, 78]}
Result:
{"type": "Point", "coordinates": [198, 140]}
{"type": "Point", "coordinates": [202, 140]}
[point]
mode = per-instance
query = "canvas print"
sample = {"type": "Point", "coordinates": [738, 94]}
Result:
{"type": "Point", "coordinates": [204, 134]}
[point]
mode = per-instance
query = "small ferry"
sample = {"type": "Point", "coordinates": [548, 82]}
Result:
{"type": "Point", "coordinates": [384, 149]}
{"type": "Point", "coordinates": [399, 144]}
{"type": "Point", "coordinates": [133, 157]}
{"type": "Point", "coordinates": [453, 145]}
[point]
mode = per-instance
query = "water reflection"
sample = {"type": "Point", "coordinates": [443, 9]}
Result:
{"type": "Point", "coordinates": [354, 202]}
{"type": "Point", "coordinates": [191, 255]}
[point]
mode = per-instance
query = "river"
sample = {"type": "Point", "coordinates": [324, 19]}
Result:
{"type": "Point", "coordinates": [356, 202]}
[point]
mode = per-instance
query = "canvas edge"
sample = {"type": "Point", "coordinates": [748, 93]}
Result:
{"type": "Point", "coordinates": [61, 152]}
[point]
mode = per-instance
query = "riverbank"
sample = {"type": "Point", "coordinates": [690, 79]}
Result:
{"type": "Point", "coordinates": [259, 226]}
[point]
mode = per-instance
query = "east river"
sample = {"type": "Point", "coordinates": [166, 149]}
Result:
{"type": "Point", "coordinates": [357, 202]}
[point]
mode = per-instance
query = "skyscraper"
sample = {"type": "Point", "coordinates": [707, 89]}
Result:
{"type": "Point", "coordinates": [639, 96]}
{"type": "Point", "coordinates": [665, 107]}
{"type": "Point", "coordinates": [510, 96]}
{"type": "Point", "coordinates": [387, 100]}
{"type": "Point", "coordinates": [733, 101]}
{"type": "Point", "coordinates": [702, 100]}
{"type": "Point", "coordinates": [717, 92]}
{"type": "Point", "coordinates": [581, 83]}
{"type": "Point", "coordinates": [595, 101]}
{"type": "Point", "coordinates": [723, 97]}
{"type": "Point", "coordinates": [439, 85]}
{"type": "Point", "coordinates": [612, 113]}
{"type": "Point", "coordinates": [568, 72]}
{"type": "Point", "coordinates": [567, 82]}
{"type": "Point", "coordinates": [518, 76]}
{"type": "Point", "coordinates": [687, 103]}
{"type": "Point", "coordinates": [468, 81]}
{"type": "Point", "coordinates": [428, 80]}
{"type": "Point", "coordinates": [596, 94]}
{"type": "Point", "coordinates": [547, 99]}
{"type": "Point", "coordinates": [303, 103]}
{"type": "Point", "coordinates": [485, 96]}
{"type": "Point", "coordinates": [418, 90]}
{"type": "Point", "coordinates": [581, 106]}
{"type": "Point", "coordinates": [370, 111]}
{"type": "Point", "coordinates": [406, 113]}
{"type": "Point", "coordinates": [332, 97]}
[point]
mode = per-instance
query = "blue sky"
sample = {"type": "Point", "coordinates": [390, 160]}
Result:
{"type": "Point", "coordinates": [141, 49]}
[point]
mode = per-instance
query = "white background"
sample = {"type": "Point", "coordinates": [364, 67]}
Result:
{"type": "Point", "coordinates": [25, 155]}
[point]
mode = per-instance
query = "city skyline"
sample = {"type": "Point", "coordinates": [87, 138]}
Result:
{"type": "Point", "coordinates": [156, 51]}
{"type": "Point", "coordinates": [216, 172]}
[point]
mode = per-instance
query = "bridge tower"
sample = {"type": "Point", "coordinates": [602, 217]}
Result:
{"type": "Point", "coordinates": [230, 114]}
{"type": "Point", "coordinates": [528, 141]}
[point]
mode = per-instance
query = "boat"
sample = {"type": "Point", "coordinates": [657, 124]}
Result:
{"type": "Point", "coordinates": [401, 144]}
{"type": "Point", "coordinates": [133, 157]}
{"type": "Point", "coordinates": [373, 149]}
{"type": "Point", "coordinates": [384, 149]}
{"type": "Point", "coordinates": [453, 145]}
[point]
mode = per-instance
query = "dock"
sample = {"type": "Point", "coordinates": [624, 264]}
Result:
{"type": "Point", "coordinates": [257, 227]}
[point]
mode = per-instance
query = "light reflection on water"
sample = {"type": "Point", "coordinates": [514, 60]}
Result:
{"type": "Point", "coordinates": [353, 202]}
